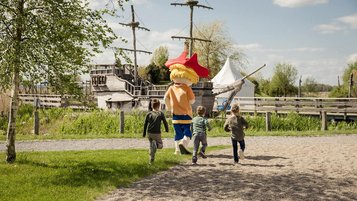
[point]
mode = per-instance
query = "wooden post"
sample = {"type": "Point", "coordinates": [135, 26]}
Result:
{"type": "Point", "coordinates": [121, 120]}
{"type": "Point", "coordinates": [323, 120]}
{"type": "Point", "coordinates": [36, 126]}
{"type": "Point", "coordinates": [267, 121]}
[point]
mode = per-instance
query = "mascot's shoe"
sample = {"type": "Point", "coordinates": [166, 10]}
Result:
{"type": "Point", "coordinates": [184, 150]}
{"type": "Point", "coordinates": [177, 152]}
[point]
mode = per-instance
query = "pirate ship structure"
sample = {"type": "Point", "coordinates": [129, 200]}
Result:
{"type": "Point", "coordinates": [120, 87]}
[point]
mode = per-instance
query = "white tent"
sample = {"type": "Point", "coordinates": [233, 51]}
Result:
{"type": "Point", "coordinates": [227, 75]}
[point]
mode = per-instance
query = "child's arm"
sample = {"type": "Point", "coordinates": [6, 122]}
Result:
{"type": "Point", "coordinates": [146, 124]}
{"type": "Point", "coordinates": [226, 126]}
{"type": "Point", "coordinates": [208, 126]}
{"type": "Point", "coordinates": [245, 123]}
{"type": "Point", "coordinates": [165, 122]}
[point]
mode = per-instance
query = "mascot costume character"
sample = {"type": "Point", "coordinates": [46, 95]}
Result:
{"type": "Point", "coordinates": [178, 98]}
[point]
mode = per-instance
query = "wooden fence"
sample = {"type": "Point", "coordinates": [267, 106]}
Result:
{"type": "Point", "coordinates": [337, 106]}
{"type": "Point", "coordinates": [49, 100]}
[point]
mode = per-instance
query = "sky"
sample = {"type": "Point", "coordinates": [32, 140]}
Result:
{"type": "Point", "coordinates": [317, 37]}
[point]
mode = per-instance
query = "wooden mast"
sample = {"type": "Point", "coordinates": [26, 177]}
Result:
{"type": "Point", "coordinates": [191, 4]}
{"type": "Point", "coordinates": [135, 25]}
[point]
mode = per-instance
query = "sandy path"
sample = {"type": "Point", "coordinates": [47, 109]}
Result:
{"type": "Point", "coordinates": [276, 168]}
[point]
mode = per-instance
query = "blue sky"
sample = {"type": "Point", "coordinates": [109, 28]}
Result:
{"type": "Point", "coordinates": [318, 37]}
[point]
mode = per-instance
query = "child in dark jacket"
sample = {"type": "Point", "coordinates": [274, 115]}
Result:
{"type": "Point", "coordinates": [152, 126]}
{"type": "Point", "coordinates": [236, 125]}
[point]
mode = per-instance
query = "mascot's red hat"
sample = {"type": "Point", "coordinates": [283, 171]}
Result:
{"type": "Point", "coordinates": [190, 63]}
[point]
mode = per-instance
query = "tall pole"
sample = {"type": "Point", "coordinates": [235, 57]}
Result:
{"type": "Point", "coordinates": [191, 4]}
{"type": "Point", "coordinates": [134, 46]}
{"type": "Point", "coordinates": [299, 89]}
{"type": "Point", "coordinates": [191, 29]}
{"type": "Point", "coordinates": [134, 25]}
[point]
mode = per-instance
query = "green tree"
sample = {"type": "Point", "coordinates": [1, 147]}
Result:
{"type": "Point", "coordinates": [44, 40]}
{"type": "Point", "coordinates": [309, 85]}
{"type": "Point", "coordinates": [264, 87]}
{"type": "Point", "coordinates": [214, 54]}
{"type": "Point", "coordinates": [159, 58]}
{"type": "Point", "coordinates": [343, 90]}
{"type": "Point", "coordinates": [282, 82]}
{"type": "Point", "coordinates": [153, 73]}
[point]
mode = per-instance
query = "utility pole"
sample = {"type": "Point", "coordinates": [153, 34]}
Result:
{"type": "Point", "coordinates": [299, 90]}
{"type": "Point", "coordinates": [135, 25]}
{"type": "Point", "coordinates": [191, 4]}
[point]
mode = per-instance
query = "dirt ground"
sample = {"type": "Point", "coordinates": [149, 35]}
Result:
{"type": "Point", "coordinates": [275, 168]}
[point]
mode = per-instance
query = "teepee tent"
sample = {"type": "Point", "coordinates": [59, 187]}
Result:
{"type": "Point", "coordinates": [227, 75]}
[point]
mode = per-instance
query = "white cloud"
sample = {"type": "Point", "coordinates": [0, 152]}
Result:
{"type": "Point", "coordinates": [339, 24]}
{"type": "Point", "coordinates": [137, 2]}
{"type": "Point", "coordinates": [328, 28]}
{"type": "Point", "coordinates": [259, 48]}
{"type": "Point", "coordinates": [251, 46]}
{"type": "Point", "coordinates": [298, 3]}
{"type": "Point", "coordinates": [147, 41]}
{"type": "Point", "coordinates": [350, 21]}
{"type": "Point", "coordinates": [352, 58]}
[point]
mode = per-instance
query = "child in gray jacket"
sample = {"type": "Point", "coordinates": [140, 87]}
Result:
{"type": "Point", "coordinates": [236, 125]}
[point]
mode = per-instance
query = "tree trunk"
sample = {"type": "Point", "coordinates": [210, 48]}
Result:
{"type": "Point", "coordinates": [11, 129]}
{"type": "Point", "coordinates": [11, 134]}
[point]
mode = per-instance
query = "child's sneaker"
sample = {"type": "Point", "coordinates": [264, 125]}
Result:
{"type": "Point", "coordinates": [177, 152]}
{"type": "Point", "coordinates": [202, 154]}
{"type": "Point", "coordinates": [194, 160]}
{"type": "Point", "coordinates": [241, 154]}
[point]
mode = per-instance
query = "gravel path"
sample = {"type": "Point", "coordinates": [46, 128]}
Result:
{"type": "Point", "coordinates": [95, 144]}
{"type": "Point", "coordinates": [275, 168]}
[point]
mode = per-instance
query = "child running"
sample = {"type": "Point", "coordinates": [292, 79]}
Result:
{"type": "Point", "coordinates": [152, 125]}
{"type": "Point", "coordinates": [199, 126]}
{"type": "Point", "coordinates": [236, 125]}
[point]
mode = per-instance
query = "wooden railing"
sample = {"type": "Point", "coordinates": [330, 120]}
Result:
{"type": "Point", "coordinates": [300, 105]}
{"type": "Point", "coordinates": [49, 100]}
{"type": "Point", "coordinates": [45, 100]}
{"type": "Point", "coordinates": [157, 90]}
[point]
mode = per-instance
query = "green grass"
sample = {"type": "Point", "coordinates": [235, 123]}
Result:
{"type": "Point", "coordinates": [78, 175]}
{"type": "Point", "coordinates": [59, 123]}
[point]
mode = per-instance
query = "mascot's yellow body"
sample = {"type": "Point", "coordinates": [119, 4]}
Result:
{"type": "Point", "coordinates": [179, 96]}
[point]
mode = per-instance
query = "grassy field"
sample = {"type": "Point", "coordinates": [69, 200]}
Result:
{"type": "Point", "coordinates": [78, 175]}
{"type": "Point", "coordinates": [214, 133]}
{"type": "Point", "coordinates": [59, 123]}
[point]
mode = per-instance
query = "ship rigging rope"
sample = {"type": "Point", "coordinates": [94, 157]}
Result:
{"type": "Point", "coordinates": [143, 46]}
{"type": "Point", "coordinates": [208, 3]}
{"type": "Point", "coordinates": [201, 34]}
{"type": "Point", "coordinates": [139, 19]}
{"type": "Point", "coordinates": [182, 29]}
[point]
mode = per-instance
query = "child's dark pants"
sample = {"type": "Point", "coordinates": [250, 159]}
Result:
{"type": "Point", "coordinates": [235, 148]}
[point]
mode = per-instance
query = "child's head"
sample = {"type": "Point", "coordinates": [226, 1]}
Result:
{"type": "Point", "coordinates": [201, 110]}
{"type": "Point", "coordinates": [155, 104]}
{"type": "Point", "coordinates": [235, 108]}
